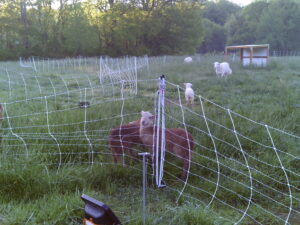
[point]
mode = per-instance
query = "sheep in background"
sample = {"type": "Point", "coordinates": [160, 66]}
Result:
{"type": "Point", "coordinates": [188, 59]}
{"type": "Point", "coordinates": [222, 69]}
{"type": "Point", "coordinates": [189, 94]}
{"type": "Point", "coordinates": [178, 141]}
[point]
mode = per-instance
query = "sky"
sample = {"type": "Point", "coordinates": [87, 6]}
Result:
{"type": "Point", "coordinates": [242, 2]}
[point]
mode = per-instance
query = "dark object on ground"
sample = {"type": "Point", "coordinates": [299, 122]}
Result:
{"type": "Point", "coordinates": [84, 104]}
{"type": "Point", "coordinates": [97, 212]}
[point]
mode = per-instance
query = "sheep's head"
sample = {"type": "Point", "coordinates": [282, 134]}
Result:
{"type": "Point", "coordinates": [216, 65]}
{"type": "Point", "coordinates": [147, 119]}
{"type": "Point", "coordinates": [188, 85]}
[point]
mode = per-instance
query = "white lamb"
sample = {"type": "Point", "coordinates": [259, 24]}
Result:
{"type": "Point", "coordinates": [188, 59]}
{"type": "Point", "coordinates": [189, 94]}
{"type": "Point", "coordinates": [222, 69]}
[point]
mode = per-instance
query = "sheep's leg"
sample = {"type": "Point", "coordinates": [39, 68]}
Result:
{"type": "Point", "coordinates": [116, 155]}
{"type": "Point", "coordinates": [191, 102]}
{"type": "Point", "coordinates": [187, 101]}
{"type": "Point", "coordinates": [113, 150]}
{"type": "Point", "coordinates": [115, 158]}
{"type": "Point", "coordinates": [151, 159]}
{"type": "Point", "coordinates": [186, 161]}
{"type": "Point", "coordinates": [130, 151]}
{"type": "Point", "coordinates": [185, 169]}
{"type": "Point", "coordinates": [119, 159]}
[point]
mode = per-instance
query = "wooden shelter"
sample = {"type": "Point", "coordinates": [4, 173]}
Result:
{"type": "Point", "coordinates": [251, 54]}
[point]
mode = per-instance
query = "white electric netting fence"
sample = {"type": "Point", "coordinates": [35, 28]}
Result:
{"type": "Point", "coordinates": [246, 167]}
{"type": "Point", "coordinates": [107, 70]}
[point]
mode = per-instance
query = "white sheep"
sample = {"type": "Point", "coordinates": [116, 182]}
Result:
{"type": "Point", "coordinates": [188, 59]}
{"type": "Point", "coordinates": [222, 69]}
{"type": "Point", "coordinates": [189, 93]}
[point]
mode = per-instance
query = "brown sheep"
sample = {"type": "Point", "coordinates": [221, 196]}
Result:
{"type": "Point", "coordinates": [178, 141]}
{"type": "Point", "coordinates": [123, 138]}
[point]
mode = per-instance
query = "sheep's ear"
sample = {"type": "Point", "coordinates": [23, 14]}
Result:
{"type": "Point", "coordinates": [142, 113]}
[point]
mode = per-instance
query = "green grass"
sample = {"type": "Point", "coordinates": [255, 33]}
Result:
{"type": "Point", "coordinates": [41, 181]}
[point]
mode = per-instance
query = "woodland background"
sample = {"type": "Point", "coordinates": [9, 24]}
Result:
{"type": "Point", "coordinates": [61, 28]}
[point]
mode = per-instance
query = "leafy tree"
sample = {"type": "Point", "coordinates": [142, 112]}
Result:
{"type": "Point", "coordinates": [215, 37]}
{"type": "Point", "coordinates": [219, 12]}
{"type": "Point", "coordinates": [178, 29]}
{"type": "Point", "coordinates": [242, 27]}
{"type": "Point", "coordinates": [275, 22]}
{"type": "Point", "coordinates": [42, 23]}
{"type": "Point", "coordinates": [94, 27]}
{"type": "Point", "coordinates": [10, 30]}
{"type": "Point", "coordinates": [128, 29]}
{"type": "Point", "coordinates": [79, 36]}
{"type": "Point", "coordinates": [280, 25]}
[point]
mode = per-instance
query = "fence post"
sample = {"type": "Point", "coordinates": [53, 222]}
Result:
{"type": "Point", "coordinates": [136, 76]}
{"type": "Point", "coordinates": [144, 154]}
{"type": "Point", "coordinates": [159, 151]}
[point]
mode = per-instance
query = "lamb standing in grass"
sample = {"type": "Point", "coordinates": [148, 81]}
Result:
{"type": "Point", "coordinates": [188, 59]}
{"type": "Point", "coordinates": [222, 69]}
{"type": "Point", "coordinates": [189, 94]}
{"type": "Point", "coordinates": [178, 142]}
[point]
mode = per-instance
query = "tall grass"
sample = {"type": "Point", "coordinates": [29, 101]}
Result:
{"type": "Point", "coordinates": [41, 181]}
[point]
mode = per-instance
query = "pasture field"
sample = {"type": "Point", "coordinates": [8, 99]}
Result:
{"type": "Point", "coordinates": [52, 151]}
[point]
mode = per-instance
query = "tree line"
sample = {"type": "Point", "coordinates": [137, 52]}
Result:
{"type": "Point", "coordinates": [274, 22]}
{"type": "Point", "coordinates": [60, 28]}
